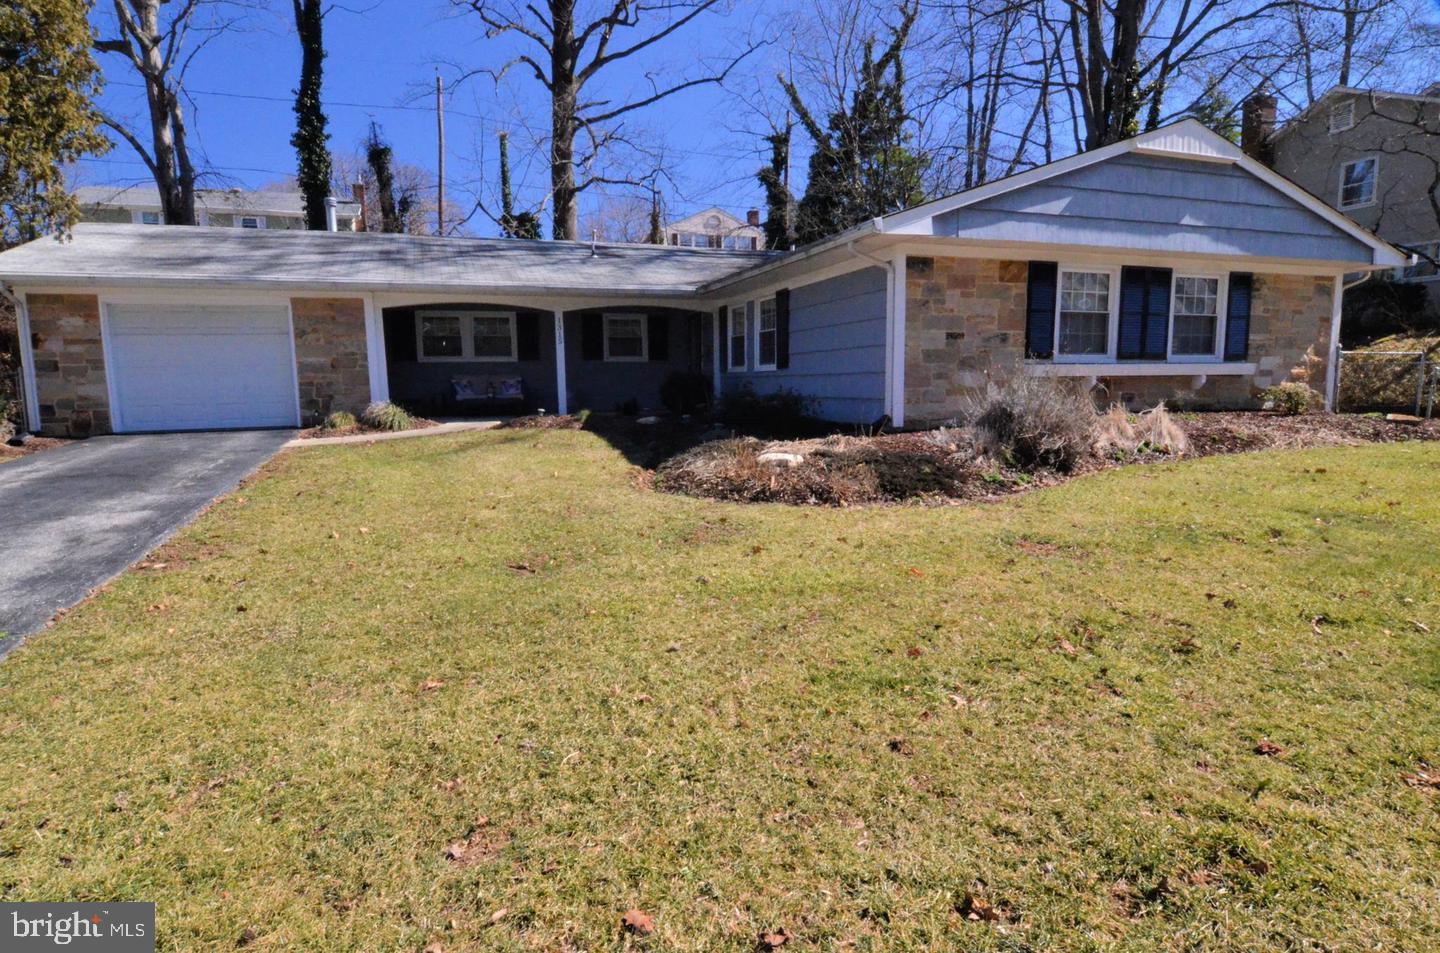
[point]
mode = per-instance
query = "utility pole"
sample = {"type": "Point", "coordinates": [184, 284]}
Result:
{"type": "Point", "coordinates": [440, 128]}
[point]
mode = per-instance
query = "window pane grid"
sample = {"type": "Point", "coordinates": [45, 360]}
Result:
{"type": "Point", "coordinates": [440, 337]}
{"type": "Point", "coordinates": [1084, 312]}
{"type": "Point", "coordinates": [1358, 183]}
{"type": "Point", "coordinates": [491, 336]}
{"type": "Point", "coordinates": [1197, 302]}
{"type": "Point", "coordinates": [766, 334]}
{"type": "Point", "coordinates": [624, 337]}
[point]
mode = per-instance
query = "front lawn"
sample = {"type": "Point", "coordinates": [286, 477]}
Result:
{"type": "Point", "coordinates": [488, 692]}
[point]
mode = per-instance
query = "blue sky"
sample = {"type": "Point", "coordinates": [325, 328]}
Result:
{"type": "Point", "coordinates": [383, 58]}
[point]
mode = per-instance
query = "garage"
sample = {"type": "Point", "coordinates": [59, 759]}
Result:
{"type": "Point", "coordinates": [200, 367]}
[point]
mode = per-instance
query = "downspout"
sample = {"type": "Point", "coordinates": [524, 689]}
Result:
{"type": "Point", "coordinates": [29, 416]}
{"type": "Point", "coordinates": [894, 342]}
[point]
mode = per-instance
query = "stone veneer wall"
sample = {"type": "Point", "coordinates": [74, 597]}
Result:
{"type": "Point", "coordinates": [965, 317]}
{"type": "Point", "coordinates": [69, 364]}
{"type": "Point", "coordinates": [330, 356]}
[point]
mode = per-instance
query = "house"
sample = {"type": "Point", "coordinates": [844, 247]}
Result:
{"type": "Point", "coordinates": [717, 228]}
{"type": "Point", "coordinates": [222, 208]}
{"type": "Point", "coordinates": [1372, 154]}
{"type": "Point", "coordinates": [1170, 264]}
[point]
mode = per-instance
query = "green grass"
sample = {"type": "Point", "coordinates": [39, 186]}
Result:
{"type": "Point", "coordinates": [839, 723]}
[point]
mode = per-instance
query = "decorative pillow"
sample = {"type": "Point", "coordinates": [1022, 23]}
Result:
{"type": "Point", "coordinates": [465, 388]}
{"type": "Point", "coordinates": [508, 388]}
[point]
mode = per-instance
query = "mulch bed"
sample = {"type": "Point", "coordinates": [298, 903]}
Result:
{"type": "Point", "coordinates": [416, 423]}
{"type": "Point", "coordinates": [913, 468]}
{"type": "Point", "coordinates": [33, 445]}
{"type": "Point", "coordinates": [546, 422]}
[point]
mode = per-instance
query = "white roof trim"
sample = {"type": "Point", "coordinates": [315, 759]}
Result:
{"type": "Point", "coordinates": [1186, 139]}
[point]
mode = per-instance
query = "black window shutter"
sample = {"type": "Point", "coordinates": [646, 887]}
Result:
{"type": "Point", "coordinates": [1144, 314]}
{"type": "Point", "coordinates": [723, 319]}
{"type": "Point", "coordinates": [659, 343]}
{"type": "Point", "coordinates": [592, 337]}
{"type": "Point", "coordinates": [1237, 317]}
{"type": "Point", "coordinates": [400, 336]}
{"type": "Point", "coordinates": [1040, 309]}
{"type": "Point", "coordinates": [782, 328]}
{"type": "Point", "coordinates": [527, 336]}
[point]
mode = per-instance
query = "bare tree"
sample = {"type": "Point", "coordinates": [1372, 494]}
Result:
{"type": "Point", "coordinates": [567, 50]}
{"type": "Point", "coordinates": [618, 218]}
{"type": "Point", "coordinates": [160, 39]}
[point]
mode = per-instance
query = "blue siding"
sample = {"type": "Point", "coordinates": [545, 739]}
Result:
{"type": "Point", "coordinates": [837, 349]}
{"type": "Point", "coordinates": [1156, 203]}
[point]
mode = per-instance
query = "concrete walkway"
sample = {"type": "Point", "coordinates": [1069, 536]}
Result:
{"type": "Point", "coordinates": [74, 517]}
{"type": "Point", "coordinates": [453, 426]}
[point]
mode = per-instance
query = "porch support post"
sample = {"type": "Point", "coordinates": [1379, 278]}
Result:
{"type": "Point", "coordinates": [375, 351]}
{"type": "Point", "coordinates": [562, 396]}
{"type": "Point", "coordinates": [1332, 380]}
{"type": "Point", "coordinates": [31, 393]}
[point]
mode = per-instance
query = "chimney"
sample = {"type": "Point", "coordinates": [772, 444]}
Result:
{"type": "Point", "coordinates": [358, 192]}
{"type": "Point", "coordinates": [332, 222]}
{"type": "Point", "coordinates": [1257, 123]}
{"type": "Point", "coordinates": [752, 218]}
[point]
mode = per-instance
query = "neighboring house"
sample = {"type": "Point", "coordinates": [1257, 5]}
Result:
{"type": "Point", "coordinates": [717, 228]}
{"type": "Point", "coordinates": [1372, 154]}
{"type": "Point", "coordinates": [222, 208]}
{"type": "Point", "coordinates": [1166, 265]}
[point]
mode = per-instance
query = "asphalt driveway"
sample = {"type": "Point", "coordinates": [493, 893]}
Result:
{"type": "Point", "coordinates": [74, 517]}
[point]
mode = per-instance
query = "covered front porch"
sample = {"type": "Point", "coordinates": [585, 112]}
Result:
{"type": "Point", "coordinates": [458, 357]}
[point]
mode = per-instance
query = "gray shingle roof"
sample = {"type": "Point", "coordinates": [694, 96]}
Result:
{"type": "Point", "coordinates": [155, 255]}
{"type": "Point", "coordinates": [263, 202]}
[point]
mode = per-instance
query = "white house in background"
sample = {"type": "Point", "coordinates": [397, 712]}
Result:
{"type": "Point", "coordinates": [717, 228]}
{"type": "Point", "coordinates": [222, 208]}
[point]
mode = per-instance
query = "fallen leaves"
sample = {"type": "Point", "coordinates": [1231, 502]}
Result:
{"type": "Point", "coordinates": [1268, 748]}
{"type": "Point", "coordinates": [773, 940]}
{"type": "Point", "coordinates": [431, 684]}
{"type": "Point", "coordinates": [480, 845]}
{"type": "Point", "coordinates": [1425, 779]}
{"type": "Point", "coordinates": [977, 909]}
{"type": "Point", "coordinates": [636, 923]}
{"type": "Point", "coordinates": [901, 746]}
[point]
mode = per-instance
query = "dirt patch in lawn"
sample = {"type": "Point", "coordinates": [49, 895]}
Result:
{"type": "Point", "coordinates": [955, 465]}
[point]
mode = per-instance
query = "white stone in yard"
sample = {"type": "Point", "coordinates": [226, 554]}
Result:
{"type": "Point", "coordinates": [778, 458]}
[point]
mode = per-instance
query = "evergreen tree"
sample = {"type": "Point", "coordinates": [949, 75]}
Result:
{"type": "Point", "coordinates": [657, 226]}
{"type": "Point", "coordinates": [394, 208]}
{"type": "Point", "coordinates": [1217, 111]}
{"type": "Point", "coordinates": [311, 138]}
{"type": "Point", "coordinates": [525, 224]}
{"type": "Point", "coordinates": [862, 165]}
{"type": "Point", "coordinates": [48, 81]}
{"type": "Point", "coordinates": [779, 203]}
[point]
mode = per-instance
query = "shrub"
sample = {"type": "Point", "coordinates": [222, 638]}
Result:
{"type": "Point", "coordinates": [1032, 422]}
{"type": "Point", "coordinates": [340, 420]}
{"type": "Point", "coordinates": [1119, 434]}
{"type": "Point", "coordinates": [383, 415]}
{"type": "Point", "coordinates": [685, 392]}
{"type": "Point", "coordinates": [782, 413]}
{"type": "Point", "coordinates": [1290, 398]}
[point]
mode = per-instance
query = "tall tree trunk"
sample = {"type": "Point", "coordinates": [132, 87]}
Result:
{"type": "Point", "coordinates": [311, 140]}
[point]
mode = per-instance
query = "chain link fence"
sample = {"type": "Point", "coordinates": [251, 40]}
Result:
{"type": "Point", "coordinates": [1396, 382]}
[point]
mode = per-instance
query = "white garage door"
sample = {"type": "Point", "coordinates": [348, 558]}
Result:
{"type": "Point", "coordinates": [201, 367]}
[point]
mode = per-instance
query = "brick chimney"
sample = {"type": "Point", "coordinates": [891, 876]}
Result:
{"type": "Point", "coordinates": [1257, 123]}
{"type": "Point", "coordinates": [752, 218]}
{"type": "Point", "coordinates": [358, 192]}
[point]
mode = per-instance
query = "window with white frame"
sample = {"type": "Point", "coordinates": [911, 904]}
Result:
{"type": "Point", "coordinates": [459, 336]}
{"type": "Point", "coordinates": [147, 218]}
{"type": "Point", "coordinates": [626, 337]}
{"type": "Point", "coordinates": [737, 322]}
{"type": "Point", "coordinates": [1342, 116]}
{"type": "Point", "coordinates": [251, 221]}
{"type": "Point", "coordinates": [1083, 323]}
{"type": "Point", "coordinates": [766, 335]}
{"type": "Point", "coordinates": [1195, 316]}
{"type": "Point", "coordinates": [1357, 182]}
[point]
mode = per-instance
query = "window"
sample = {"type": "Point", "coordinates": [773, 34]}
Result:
{"type": "Point", "coordinates": [1196, 316]}
{"type": "Point", "coordinates": [737, 336]}
{"type": "Point", "coordinates": [1083, 327]}
{"type": "Point", "coordinates": [1357, 182]}
{"type": "Point", "coordinates": [147, 218]}
{"type": "Point", "coordinates": [625, 337]}
{"type": "Point", "coordinates": [459, 336]}
{"type": "Point", "coordinates": [766, 334]}
{"type": "Point", "coordinates": [1342, 116]}
{"type": "Point", "coordinates": [251, 221]}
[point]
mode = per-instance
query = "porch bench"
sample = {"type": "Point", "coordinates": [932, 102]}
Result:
{"type": "Point", "coordinates": [495, 395]}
